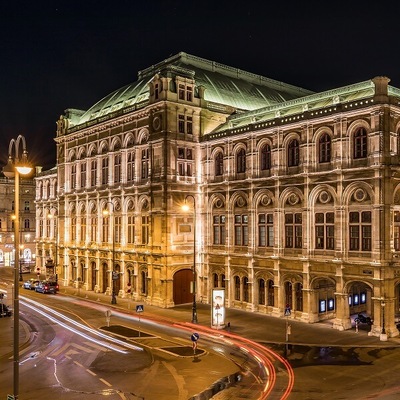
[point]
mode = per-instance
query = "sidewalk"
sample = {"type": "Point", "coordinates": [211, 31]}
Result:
{"type": "Point", "coordinates": [253, 325]}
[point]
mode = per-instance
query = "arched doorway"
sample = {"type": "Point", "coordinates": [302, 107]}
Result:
{"type": "Point", "coordinates": [360, 298]}
{"type": "Point", "coordinates": [182, 283]}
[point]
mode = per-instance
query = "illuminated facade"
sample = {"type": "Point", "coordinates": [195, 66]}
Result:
{"type": "Point", "coordinates": [27, 223]}
{"type": "Point", "coordinates": [297, 197]}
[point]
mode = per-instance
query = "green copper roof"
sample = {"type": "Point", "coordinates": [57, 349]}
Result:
{"type": "Point", "coordinates": [223, 85]}
{"type": "Point", "coordinates": [310, 103]}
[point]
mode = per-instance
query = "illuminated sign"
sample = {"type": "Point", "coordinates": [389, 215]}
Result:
{"type": "Point", "coordinates": [218, 308]}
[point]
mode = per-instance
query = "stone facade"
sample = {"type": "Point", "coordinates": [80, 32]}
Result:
{"type": "Point", "coordinates": [294, 195]}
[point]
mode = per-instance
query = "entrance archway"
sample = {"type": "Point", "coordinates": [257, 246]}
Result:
{"type": "Point", "coordinates": [182, 282]}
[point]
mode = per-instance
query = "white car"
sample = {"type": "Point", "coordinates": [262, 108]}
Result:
{"type": "Point", "coordinates": [31, 284]}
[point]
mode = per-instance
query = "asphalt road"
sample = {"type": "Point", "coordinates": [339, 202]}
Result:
{"type": "Point", "coordinates": [327, 363]}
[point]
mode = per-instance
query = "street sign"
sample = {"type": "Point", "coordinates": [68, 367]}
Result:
{"type": "Point", "coordinates": [139, 308]}
{"type": "Point", "coordinates": [10, 397]}
{"type": "Point", "coordinates": [194, 337]}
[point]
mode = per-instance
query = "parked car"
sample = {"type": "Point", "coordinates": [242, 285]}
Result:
{"type": "Point", "coordinates": [47, 287]}
{"type": "Point", "coordinates": [31, 284]}
{"type": "Point", "coordinates": [5, 311]}
{"type": "Point", "coordinates": [362, 319]}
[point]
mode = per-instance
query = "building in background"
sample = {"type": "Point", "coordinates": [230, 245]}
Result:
{"type": "Point", "coordinates": [27, 250]}
{"type": "Point", "coordinates": [295, 194]}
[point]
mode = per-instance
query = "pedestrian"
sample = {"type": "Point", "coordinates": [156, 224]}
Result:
{"type": "Point", "coordinates": [229, 326]}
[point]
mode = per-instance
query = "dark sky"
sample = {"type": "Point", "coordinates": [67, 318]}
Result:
{"type": "Point", "coordinates": [69, 54]}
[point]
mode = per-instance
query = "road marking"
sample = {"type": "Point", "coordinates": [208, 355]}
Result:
{"type": "Point", "coordinates": [79, 364]}
{"type": "Point", "coordinates": [91, 372]}
{"type": "Point", "coordinates": [105, 382]}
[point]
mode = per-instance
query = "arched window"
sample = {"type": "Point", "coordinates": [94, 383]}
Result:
{"type": "Point", "coordinates": [237, 288]}
{"type": "Point", "coordinates": [271, 297]}
{"type": "Point", "coordinates": [143, 283]}
{"type": "Point", "coordinates": [288, 294]}
{"type": "Point", "coordinates": [324, 147]}
{"type": "Point", "coordinates": [265, 161]}
{"type": "Point", "coordinates": [360, 143]}
{"type": "Point", "coordinates": [293, 153]}
{"type": "Point", "coordinates": [241, 161]}
{"type": "Point", "coordinates": [299, 297]}
{"type": "Point", "coordinates": [219, 164]}
{"type": "Point", "coordinates": [261, 291]}
{"type": "Point", "coordinates": [215, 280]}
{"type": "Point", "coordinates": [246, 294]}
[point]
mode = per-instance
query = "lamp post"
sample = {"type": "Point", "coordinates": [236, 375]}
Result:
{"type": "Point", "coordinates": [17, 164]}
{"type": "Point", "coordinates": [114, 274]}
{"type": "Point", "coordinates": [194, 288]}
{"type": "Point", "coordinates": [383, 336]}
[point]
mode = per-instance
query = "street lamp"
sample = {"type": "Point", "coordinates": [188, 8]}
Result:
{"type": "Point", "coordinates": [194, 288]}
{"type": "Point", "coordinates": [17, 164]}
{"type": "Point", "coordinates": [383, 336]}
{"type": "Point", "coordinates": [114, 274]}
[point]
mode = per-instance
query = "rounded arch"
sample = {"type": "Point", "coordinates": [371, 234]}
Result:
{"type": "Point", "coordinates": [81, 153]}
{"type": "Point", "coordinates": [92, 207]}
{"type": "Point", "coordinates": [289, 137]}
{"type": "Point", "coordinates": [356, 125]}
{"type": "Point", "coordinates": [71, 207]}
{"type": "Point", "coordinates": [144, 203]}
{"type": "Point", "coordinates": [103, 147]}
{"type": "Point", "coordinates": [129, 140]}
{"type": "Point", "coordinates": [319, 191]}
{"type": "Point", "coordinates": [71, 155]}
{"type": "Point", "coordinates": [129, 204]}
{"type": "Point", "coordinates": [115, 144]}
{"type": "Point", "coordinates": [262, 142]}
{"type": "Point", "coordinates": [238, 146]}
{"type": "Point", "coordinates": [215, 151]}
{"type": "Point", "coordinates": [320, 131]}
{"type": "Point", "coordinates": [81, 207]}
{"type": "Point", "coordinates": [353, 187]}
{"type": "Point", "coordinates": [364, 144]}
{"type": "Point", "coordinates": [143, 136]}
{"type": "Point", "coordinates": [238, 199]}
{"type": "Point", "coordinates": [292, 195]}
{"type": "Point", "coordinates": [264, 198]}
{"type": "Point", "coordinates": [349, 283]}
{"type": "Point", "coordinates": [216, 201]}
{"type": "Point", "coordinates": [92, 150]}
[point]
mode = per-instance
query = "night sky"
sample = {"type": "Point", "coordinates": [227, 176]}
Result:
{"type": "Point", "coordinates": [69, 54]}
